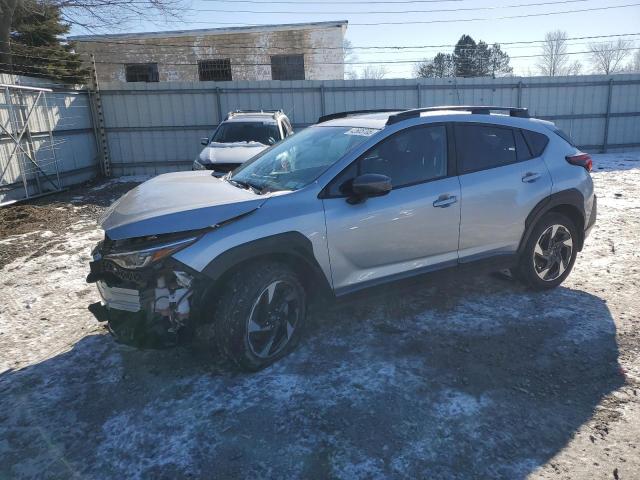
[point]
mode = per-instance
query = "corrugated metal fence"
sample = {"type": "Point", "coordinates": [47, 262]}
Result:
{"type": "Point", "coordinates": [156, 127]}
{"type": "Point", "coordinates": [152, 128]}
{"type": "Point", "coordinates": [59, 136]}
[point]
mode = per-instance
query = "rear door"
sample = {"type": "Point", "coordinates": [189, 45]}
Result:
{"type": "Point", "coordinates": [501, 181]}
{"type": "Point", "coordinates": [411, 229]}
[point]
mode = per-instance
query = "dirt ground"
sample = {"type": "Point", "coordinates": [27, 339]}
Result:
{"type": "Point", "coordinates": [454, 377]}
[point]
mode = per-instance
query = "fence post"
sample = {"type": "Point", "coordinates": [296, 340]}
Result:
{"type": "Point", "coordinates": [322, 105]}
{"type": "Point", "coordinates": [605, 142]}
{"type": "Point", "coordinates": [219, 105]}
{"type": "Point", "coordinates": [520, 94]}
{"type": "Point", "coordinates": [95, 101]}
{"type": "Point", "coordinates": [419, 94]}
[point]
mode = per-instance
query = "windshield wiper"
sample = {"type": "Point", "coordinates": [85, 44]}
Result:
{"type": "Point", "coordinates": [245, 185]}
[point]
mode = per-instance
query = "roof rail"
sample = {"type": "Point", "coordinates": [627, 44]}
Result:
{"type": "Point", "coordinates": [473, 109]}
{"type": "Point", "coordinates": [333, 116]}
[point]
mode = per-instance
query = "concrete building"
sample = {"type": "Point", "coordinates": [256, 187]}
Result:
{"type": "Point", "coordinates": [301, 51]}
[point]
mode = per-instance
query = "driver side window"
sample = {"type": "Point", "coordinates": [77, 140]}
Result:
{"type": "Point", "coordinates": [414, 155]}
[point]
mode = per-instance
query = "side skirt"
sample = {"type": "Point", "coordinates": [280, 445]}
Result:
{"type": "Point", "coordinates": [485, 265]}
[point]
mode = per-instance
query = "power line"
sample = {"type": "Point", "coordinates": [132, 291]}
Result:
{"type": "Point", "coordinates": [436, 21]}
{"type": "Point", "coordinates": [363, 63]}
{"type": "Point", "coordinates": [346, 2]}
{"type": "Point", "coordinates": [54, 60]}
{"type": "Point", "coordinates": [415, 48]}
{"type": "Point", "coordinates": [371, 47]}
{"type": "Point", "coordinates": [28, 72]}
{"type": "Point", "coordinates": [370, 12]}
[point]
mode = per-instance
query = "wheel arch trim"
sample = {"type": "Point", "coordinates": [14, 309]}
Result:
{"type": "Point", "coordinates": [571, 199]}
{"type": "Point", "coordinates": [291, 245]}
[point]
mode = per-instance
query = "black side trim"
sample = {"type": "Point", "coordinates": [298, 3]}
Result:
{"type": "Point", "coordinates": [572, 198]}
{"type": "Point", "coordinates": [289, 244]}
{"type": "Point", "coordinates": [493, 263]}
{"type": "Point", "coordinates": [594, 214]}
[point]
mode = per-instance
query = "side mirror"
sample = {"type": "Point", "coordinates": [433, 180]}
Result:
{"type": "Point", "coordinates": [204, 141]}
{"type": "Point", "coordinates": [369, 185]}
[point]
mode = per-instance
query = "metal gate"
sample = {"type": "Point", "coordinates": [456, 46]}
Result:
{"type": "Point", "coordinates": [29, 167]}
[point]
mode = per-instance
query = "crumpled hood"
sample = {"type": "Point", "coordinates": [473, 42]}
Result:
{"type": "Point", "coordinates": [238, 152]}
{"type": "Point", "coordinates": [177, 202]}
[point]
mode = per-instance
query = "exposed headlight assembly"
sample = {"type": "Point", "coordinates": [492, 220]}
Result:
{"type": "Point", "coordinates": [142, 258]}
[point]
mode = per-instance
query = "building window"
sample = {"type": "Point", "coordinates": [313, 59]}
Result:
{"type": "Point", "coordinates": [218, 70]}
{"type": "Point", "coordinates": [141, 72]}
{"type": "Point", "coordinates": [287, 67]}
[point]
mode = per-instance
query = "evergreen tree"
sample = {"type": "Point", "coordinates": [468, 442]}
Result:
{"type": "Point", "coordinates": [441, 66]}
{"type": "Point", "coordinates": [36, 48]}
{"type": "Point", "coordinates": [499, 62]}
{"type": "Point", "coordinates": [464, 57]}
{"type": "Point", "coordinates": [469, 59]}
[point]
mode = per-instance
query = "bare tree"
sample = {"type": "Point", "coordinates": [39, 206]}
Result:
{"type": "Point", "coordinates": [554, 58]}
{"type": "Point", "coordinates": [574, 68]}
{"type": "Point", "coordinates": [92, 15]}
{"type": "Point", "coordinates": [374, 72]}
{"type": "Point", "coordinates": [634, 65]}
{"type": "Point", "coordinates": [607, 57]}
{"type": "Point", "coordinates": [349, 57]}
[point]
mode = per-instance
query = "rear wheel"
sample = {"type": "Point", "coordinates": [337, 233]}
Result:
{"type": "Point", "coordinates": [259, 315]}
{"type": "Point", "coordinates": [550, 252]}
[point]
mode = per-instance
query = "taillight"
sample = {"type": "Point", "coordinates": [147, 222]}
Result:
{"type": "Point", "coordinates": [581, 160]}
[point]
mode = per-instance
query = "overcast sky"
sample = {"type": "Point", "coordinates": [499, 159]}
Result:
{"type": "Point", "coordinates": [492, 28]}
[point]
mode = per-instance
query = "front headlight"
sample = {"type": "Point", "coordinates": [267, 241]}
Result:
{"type": "Point", "coordinates": [197, 166]}
{"type": "Point", "coordinates": [143, 258]}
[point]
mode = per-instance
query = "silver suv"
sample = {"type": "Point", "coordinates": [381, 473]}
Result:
{"type": "Point", "coordinates": [242, 135]}
{"type": "Point", "coordinates": [357, 200]}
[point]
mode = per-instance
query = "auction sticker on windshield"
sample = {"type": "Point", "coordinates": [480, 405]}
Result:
{"type": "Point", "coordinates": [361, 131]}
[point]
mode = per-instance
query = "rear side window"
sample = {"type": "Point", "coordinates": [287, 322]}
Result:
{"type": "Point", "coordinates": [521, 146]}
{"type": "Point", "coordinates": [480, 147]}
{"type": "Point", "coordinates": [537, 142]}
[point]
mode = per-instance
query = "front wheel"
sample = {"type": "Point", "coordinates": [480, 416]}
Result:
{"type": "Point", "coordinates": [260, 314]}
{"type": "Point", "coordinates": [550, 252]}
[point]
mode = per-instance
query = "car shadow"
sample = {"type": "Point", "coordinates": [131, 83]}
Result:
{"type": "Point", "coordinates": [448, 378]}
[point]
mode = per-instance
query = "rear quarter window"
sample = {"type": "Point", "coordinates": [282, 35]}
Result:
{"type": "Point", "coordinates": [537, 142]}
{"type": "Point", "coordinates": [563, 135]}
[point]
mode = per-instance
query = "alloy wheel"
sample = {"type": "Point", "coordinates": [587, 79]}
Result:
{"type": "Point", "coordinates": [552, 252]}
{"type": "Point", "coordinates": [273, 319]}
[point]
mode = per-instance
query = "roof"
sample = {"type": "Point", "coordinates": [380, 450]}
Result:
{"type": "Point", "coordinates": [265, 116]}
{"type": "Point", "coordinates": [379, 119]}
{"type": "Point", "coordinates": [256, 117]}
{"type": "Point", "coordinates": [215, 31]}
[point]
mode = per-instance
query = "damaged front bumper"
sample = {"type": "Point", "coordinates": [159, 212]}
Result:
{"type": "Point", "coordinates": [145, 307]}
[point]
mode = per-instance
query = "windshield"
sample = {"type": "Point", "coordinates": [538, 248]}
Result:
{"type": "Point", "coordinates": [232, 132]}
{"type": "Point", "coordinates": [299, 159]}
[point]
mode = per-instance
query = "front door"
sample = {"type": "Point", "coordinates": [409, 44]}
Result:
{"type": "Point", "coordinates": [412, 229]}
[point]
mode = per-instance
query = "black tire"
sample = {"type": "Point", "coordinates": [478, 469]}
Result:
{"type": "Point", "coordinates": [532, 266]}
{"type": "Point", "coordinates": [237, 302]}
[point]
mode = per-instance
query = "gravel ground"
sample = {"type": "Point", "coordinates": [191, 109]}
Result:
{"type": "Point", "coordinates": [455, 377]}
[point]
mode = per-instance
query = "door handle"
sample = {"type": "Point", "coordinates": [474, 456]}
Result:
{"type": "Point", "coordinates": [530, 177]}
{"type": "Point", "coordinates": [445, 200]}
